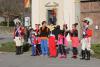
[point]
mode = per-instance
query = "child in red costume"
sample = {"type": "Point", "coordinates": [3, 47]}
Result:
{"type": "Point", "coordinates": [38, 45]}
{"type": "Point", "coordinates": [75, 40]}
{"type": "Point", "coordinates": [52, 42]}
{"type": "Point", "coordinates": [52, 46]}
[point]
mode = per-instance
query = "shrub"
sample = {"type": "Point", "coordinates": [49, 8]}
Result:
{"type": "Point", "coordinates": [3, 23]}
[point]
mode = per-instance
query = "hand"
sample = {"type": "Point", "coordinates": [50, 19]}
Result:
{"type": "Point", "coordinates": [84, 33]}
{"type": "Point", "coordinates": [34, 45]}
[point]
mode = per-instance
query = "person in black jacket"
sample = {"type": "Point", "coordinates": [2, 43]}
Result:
{"type": "Point", "coordinates": [44, 32]}
{"type": "Point", "coordinates": [56, 31]}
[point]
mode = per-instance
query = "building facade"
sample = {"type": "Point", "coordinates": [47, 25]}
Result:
{"type": "Point", "coordinates": [57, 12]}
{"type": "Point", "coordinates": [92, 9]}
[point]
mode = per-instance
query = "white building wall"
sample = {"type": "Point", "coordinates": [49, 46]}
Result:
{"type": "Point", "coordinates": [67, 11]}
{"type": "Point", "coordinates": [35, 12]}
{"type": "Point", "coordinates": [77, 15]}
{"type": "Point", "coordinates": [71, 12]}
{"type": "Point", "coordinates": [43, 10]}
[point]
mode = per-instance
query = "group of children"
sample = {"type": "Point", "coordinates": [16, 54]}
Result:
{"type": "Point", "coordinates": [52, 41]}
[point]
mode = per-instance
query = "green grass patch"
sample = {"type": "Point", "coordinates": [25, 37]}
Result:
{"type": "Point", "coordinates": [96, 49]}
{"type": "Point", "coordinates": [10, 47]}
{"type": "Point", "coordinates": [7, 47]}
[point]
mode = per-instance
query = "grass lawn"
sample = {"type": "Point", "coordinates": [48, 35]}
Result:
{"type": "Point", "coordinates": [96, 49]}
{"type": "Point", "coordinates": [10, 47]}
{"type": "Point", "coordinates": [7, 47]}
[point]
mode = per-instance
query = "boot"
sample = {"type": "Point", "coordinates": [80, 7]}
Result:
{"type": "Point", "coordinates": [88, 54]}
{"type": "Point", "coordinates": [83, 55]}
{"type": "Point", "coordinates": [74, 57]}
{"type": "Point", "coordinates": [20, 50]}
{"type": "Point", "coordinates": [17, 50]}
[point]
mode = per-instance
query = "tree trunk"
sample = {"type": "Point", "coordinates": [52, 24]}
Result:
{"type": "Point", "coordinates": [7, 21]}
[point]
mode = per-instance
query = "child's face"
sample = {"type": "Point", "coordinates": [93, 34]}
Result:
{"type": "Point", "coordinates": [85, 24]}
{"type": "Point", "coordinates": [44, 24]}
{"type": "Point", "coordinates": [37, 27]}
{"type": "Point", "coordinates": [33, 35]}
{"type": "Point", "coordinates": [73, 27]}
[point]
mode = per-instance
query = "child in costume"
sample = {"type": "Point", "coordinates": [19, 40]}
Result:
{"type": "Point", "coordinates": [61, 46]}
{"type": "Point", "coordinates": [75, 40]}
{"type": "Point", "coordinates": [86, 41]}
{"type": "Point", "coordinates": [38, 40]}
{"type": "Point", "coordinates": [65, 33]}
{"type": "Point", "coordinates": [33, 42]}
{"type": "Point", "coordinates": [52, 43]}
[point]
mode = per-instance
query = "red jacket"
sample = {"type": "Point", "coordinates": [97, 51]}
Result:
{"type": "Point", "coordinates": [89, 33]}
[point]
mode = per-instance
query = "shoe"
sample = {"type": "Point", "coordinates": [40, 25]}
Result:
{"type": "Point", "coordinates": [17, 54]}
{"type": "Point", "coordinates": [61, 56]}
{"type": "Point", "coordinates": [87, 59]}
{"type": "Point", "coordinates": [33, 55]}
{"type": "Point", "coordinates": [74, 57]}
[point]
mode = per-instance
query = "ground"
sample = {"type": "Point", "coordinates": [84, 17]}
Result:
{"type": "Point", "coordinates": [25, 60]}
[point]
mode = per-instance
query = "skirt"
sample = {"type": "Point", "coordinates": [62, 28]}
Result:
{"type": "Point", "coordinates": [52, 47]}
{"type": "Point", "coordinates": [75, 41]}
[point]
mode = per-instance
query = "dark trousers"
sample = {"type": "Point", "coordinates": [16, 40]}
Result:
{"type": "Point", "coordinates": [75, 51]}
{"type": "Point", "coordinates": [85, 54]}
{"type": "Point", "coordinates": [19, 50]}
{"type": "Point", "coordinates": [62, 49]}
{"type": "Point", "coordinates": [88, 54]}
{"type": "Point", "coordinates": [38, 49]}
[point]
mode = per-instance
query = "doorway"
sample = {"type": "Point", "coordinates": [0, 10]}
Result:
{"type": "Point", "coordinates": [52, 16]}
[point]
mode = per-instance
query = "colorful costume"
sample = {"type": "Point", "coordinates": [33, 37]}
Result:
{"type": "Point", "coordinates": [52, 46]}
{"type": "Point", "coordinates": [33, 43]}
{"type": "Point", "coordinates": [18, 40]}
{"type": "Point", "coordinates": [38, 45]}
{"type": "Point", "coordinates": [86, 41]}
{"type": "Point", "coordinates": [61, 46]}
{"type": "Point", "coordinates": [75, 42]}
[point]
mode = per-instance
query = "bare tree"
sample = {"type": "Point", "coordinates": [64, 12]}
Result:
{"type": "Point", "coordinates": [11, 8]}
